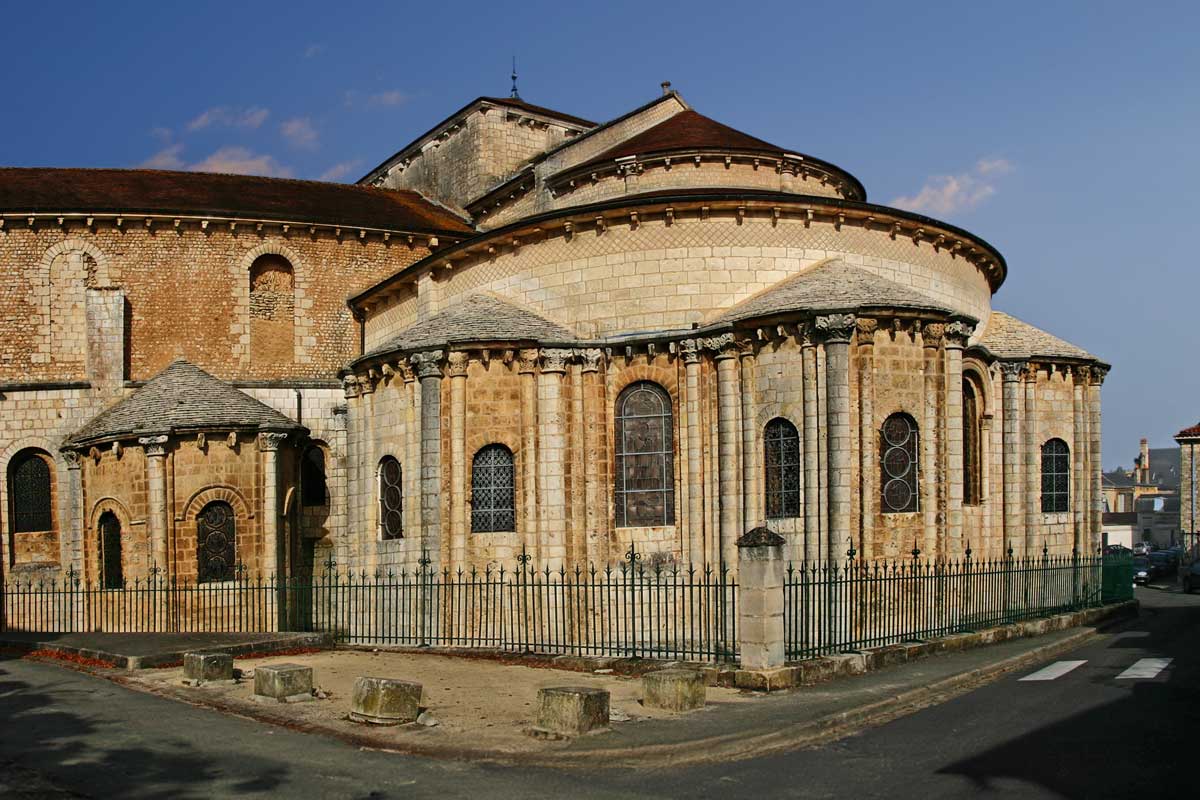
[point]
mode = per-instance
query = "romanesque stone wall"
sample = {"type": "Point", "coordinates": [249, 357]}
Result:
{"type": "Point", "coordinates": [114, 480]}
{"type": "Point", "coordinates": [188, 295]}
{"type": "Point", "coordinates": [666, 277]}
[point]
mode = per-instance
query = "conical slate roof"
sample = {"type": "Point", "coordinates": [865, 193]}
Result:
{"type": "Point", "coordinates": [182, 397]}
{"type": "Point", "coordinates": [688, 130]}
{"type": "Point", "coordinates": [832, 286]}
{"type": "Point", "coordinates": [479, 318]}
{"type": "Point", "coordinates": [1009, 338]}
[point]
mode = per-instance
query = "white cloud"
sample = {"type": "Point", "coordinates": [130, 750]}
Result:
{"type": "Point", "coordinates": [240, 161]}
{"type": "Point", "coordinates": [299, 132]}
{"type": "Point", "coordinates": [949, 194]}
{"type": "Point", "coordinates": [338, 171]}
{"type": "Point", "coordinates": [314, 50]}
{"type": "Point", "coordinates": [393, 97]}
{"type": "Point", "coordinates": [252, 118]}
{"type": "Point", "coordinates": [167, 158]}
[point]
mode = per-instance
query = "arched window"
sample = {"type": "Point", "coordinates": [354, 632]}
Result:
{"type": "Point", "coordinates": [111, 573]}
{"type": "Point", "coordinates": [644, 471]}
{"type": "Point", "coordinates": [972, 442]}
{"type": "Point", "coordinates": [1056, 477]}
{"type": "Point", "coordinates": [31, 492]}
{"type": "Point", "coordinates": [493, 495]}
{"type": "Point", "coordinates": [391, 499]}
{"type": "Point", "coordinates": [781, 458]}
{"type": "Point", "coordinates": [216, 545]}
{"type": "Point", "coordinates": [312, 477]}
{"type": "Point", "coordinates": [899, 483]}
{"type": "Point", "coordinates": [272, 310]}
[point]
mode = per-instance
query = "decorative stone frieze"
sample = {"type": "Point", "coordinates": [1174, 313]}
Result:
{"type": "Point", "coordinates": [838, 328]}
{"type": "Point", "coordinates": [555, 359]}
{"type": "Point", "coordinates": [269, 441]}
{"type": "Point", "coordinates": [427, 364]}
{"type": "Point", "coordinates": [154, 446]}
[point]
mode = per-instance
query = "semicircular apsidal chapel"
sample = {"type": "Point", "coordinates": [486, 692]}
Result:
{"type": "Point", "coordinates": [562, 338]}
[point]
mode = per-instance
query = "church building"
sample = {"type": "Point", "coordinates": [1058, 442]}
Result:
{"type": "Point", "coordinates": [523, 333]}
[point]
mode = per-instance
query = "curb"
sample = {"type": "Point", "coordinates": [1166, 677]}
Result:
{"type": "Point", "coordinates": [322, 641]}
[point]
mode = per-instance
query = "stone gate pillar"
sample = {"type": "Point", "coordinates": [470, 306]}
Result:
{"type": "Point", "coordinates": [760, 599]}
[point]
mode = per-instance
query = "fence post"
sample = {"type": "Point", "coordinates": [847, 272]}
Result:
{"type": "Point", "coordinates": [760, 599]}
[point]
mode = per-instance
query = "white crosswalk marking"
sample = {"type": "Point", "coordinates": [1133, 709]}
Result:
{"type": "Point", "coordinates": [1145, 669]}
{"type": "Point", "coordinates": [1055, 670]}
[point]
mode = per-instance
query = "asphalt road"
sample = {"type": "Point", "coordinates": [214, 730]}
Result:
{"type": "Point", "coordinates": [1085, 732]}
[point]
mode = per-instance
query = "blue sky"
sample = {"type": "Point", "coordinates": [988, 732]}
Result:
{"type": "Point", "coordinates": [1063, 133]}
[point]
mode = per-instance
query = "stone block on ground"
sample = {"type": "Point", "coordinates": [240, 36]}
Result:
{"type": "Point", "coordinates": [207, 667]}
{"type": "Point", "coordinates": [385, 701]}
{"type": "Point", "coordinates": [674, 689]}
{"type": "Point", "coordinates": [284, 683]}
{"type": "Point", "coordinates": [571, 710]}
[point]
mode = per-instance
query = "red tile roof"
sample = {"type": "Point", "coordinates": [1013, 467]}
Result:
{"type": "Point", "coordinates": [132, 191]}
{"type": "Point", "coordinates": [1189, 433]}
{"type": "Point", "coordinates": [687, 130]}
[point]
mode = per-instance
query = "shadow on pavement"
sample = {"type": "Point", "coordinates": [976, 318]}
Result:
{"type": "Point", "coordinates": [1076, 757]}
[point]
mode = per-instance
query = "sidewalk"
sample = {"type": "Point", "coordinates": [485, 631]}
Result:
{"type": "Point", "coordinates": [484, 707]}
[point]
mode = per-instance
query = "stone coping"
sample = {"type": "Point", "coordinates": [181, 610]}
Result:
{"type": "Point", "coordinates": [134, 651]}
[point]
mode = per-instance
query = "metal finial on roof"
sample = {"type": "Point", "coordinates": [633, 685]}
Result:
{"type": "Point", "coordinates": [514, 94]}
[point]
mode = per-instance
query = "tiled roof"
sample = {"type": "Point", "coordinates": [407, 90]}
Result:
{"type": "Point", "coordinates": [1009, 338]}
{"type": "Point", "coordinates": [1119, 518]}
{"type": "Point", "coordinates": [132, 191]}
{"type": "Point", "coordinates": [832, 286]}
{"type": "Point", "coordinates": [182, 397]}
{"type": "Point", "coordinates": [1189, 433]}
{"type": "Point", "coordinates": [687, 130]}
{"type": "Point", "coordinates": [479, 318]}
{"type": "Point", "coordinates": [1118, 478]}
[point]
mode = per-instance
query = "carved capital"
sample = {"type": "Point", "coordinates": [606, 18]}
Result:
{"type": "Point", "coordinates": [271, 440]}
{"type": "Point", "coordinates": [1081, 374]}
{"type": "Point", "coordinates": [368, 382]}
{"type": "Point", "coordinates": [427, 364]}
{"type": "Point", "coordinates": [350, 386]}
{"type": "Point", "coordinates": [339, 417]}
{"type": "Point", "coordinates": [1011, 371]}
{"type": "Point", "coordinates": [527, 360]}
{"type": "Point", "coordinates": [722, 346]}
{"type": "Point", "coordinates": [590, 359]}
{"type": "Point", "coordinates": [1099, 373]}
{"type": "Point", "coordinates": [405, 371]}
{"type": "Point", "coordinates": [957, 333]}
{"type": "Point", "coordinates": [836, 328]}
{"type": "Point", "coordinates": [456, 364]}
{"type": "Point", "coordinates": [745, 348]}
{"type": "Point", "coordinates": [932, 334]}
{"type": "Point", "coordinates": [72, 458]}
{"type": "Point", "coordinates": [154, 445]}
{"type": "Point", "coordinates": [866, 328]}
{"type": "Point", "coordinates": [554, 359]}
{"type": "Point", "coordinates": [689, 349]}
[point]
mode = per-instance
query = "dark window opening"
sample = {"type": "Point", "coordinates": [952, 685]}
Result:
{"type": "Point", "coordinates": [781, 459]}
{"type": "Point", "coordinates": [391, 499]}
{"type": "Point", "coordinates": [899, 453]}
{"type": "Point", "coordinates": [644, 493]}
{"type": "Point", "coordinates": [493, 491]}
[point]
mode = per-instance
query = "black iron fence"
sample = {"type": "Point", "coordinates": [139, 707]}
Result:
{"type": "Point", "coordinates": [630, 610]}
{"type": "Point", "coordinates": [853, 605]}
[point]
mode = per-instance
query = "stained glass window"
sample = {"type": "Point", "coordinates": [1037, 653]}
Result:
{"type": "Point", "coordinates": [215, 541]}
{"type": "Point", "coordinates": [1056, 477]}
{"type": "Point", "coordinates": [781, 446]}
{"type": "Point", "coordinates": [644, 493]}
{"type": "Point", "coordinates": [391, 499]}
{"type": "Point", "coordinates": [29, 487]}
{"type": "Point", "coordinates": [493, 494]}
{"type": "Point", "coordinates": [898, 484]}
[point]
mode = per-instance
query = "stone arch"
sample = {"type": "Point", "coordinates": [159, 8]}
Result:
{"type": "Point", "coordinates": [241, 509]}
{"type": "Point", "coordinates": [101, 276]}
{"type": "Point", "coordinates": [109, 504]}
{"type": "Point", "coordinates": [240, 281]}
{"type": "Point", "coordinates": [58, 287]}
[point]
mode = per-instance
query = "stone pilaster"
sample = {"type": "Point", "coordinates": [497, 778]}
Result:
{"type": "Point", "coordinates": [268, 445]}
{"type": "Point", "coordinates": [695, 554]}
{"type": "Point", "coordinates": [1081, 482]}
{"type": "Point", "coordinates": [527, 369]}
{"type": "Point", "coordinates": [752, 498]}
{"type": "Point", "coordinates": [428, 366]}
{"type": "Point", "coordinates": [72, 553]}
{"type": "Point", "coordinates": [1033, 467]}
{"type": "Point", "coordinates": [155, 447]}
{"type": "Point", "coordinates": [456, 369]}
{"type": "Point", "coordinates": [595, 508]}
{"type": "Point", "coordinates": [728, 444]}
{"type": "Point", "coordinates": [1012, 455]}
{"type": "Point", "coordinates": [867, 449]}
{"type": "Point", "coordinates": [552, 471]}
{"type": "Point", "coordinates": [812, 501]}
{"type": "Point", "coordinates": [957, 334]}
{"type": "Point", "coordinates": [1096, 524]}
{"type": "Point", "coordinates": [932, 336]}
{"type": "Point", "coordinates": [838, 329]}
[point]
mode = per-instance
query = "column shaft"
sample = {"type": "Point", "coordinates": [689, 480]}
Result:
{"type": "Point", "coordinates": [727, 462]}
{"type": "Point", "coordinates": [1081, 481]}
{"type": "Point", "coordinates": [837, 381]}
{"type": "Point", "coordinates": [752, 513]}
{"type": "Point", "coordinates": [1033, 472]}
{"type": "Point", "coordinates": [552, 495]}
{"type": "Point", "coordinates": [812, 508]}
{"type": "Point", "coordinates": [695, 456]}
{"type": "Point", "coordinates": [1011, 456]}
{"type": "Point", "coordinates": [952, 547]}
{"type": "Point", "coordinates": [457, 367]}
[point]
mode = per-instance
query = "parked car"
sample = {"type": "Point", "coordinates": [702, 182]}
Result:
{"type": "Point", "coordinates": [1142, 548]}
{"type": "Point", "coordinates": [1141, 570]}
{"type": "Point", "coordinates": [1191, 578]}
{"type": "Point", "coordinates": [1162, 564]}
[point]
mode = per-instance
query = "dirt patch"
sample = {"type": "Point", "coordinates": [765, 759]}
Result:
{"type": "Point", "coordinates": [479, 705]}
